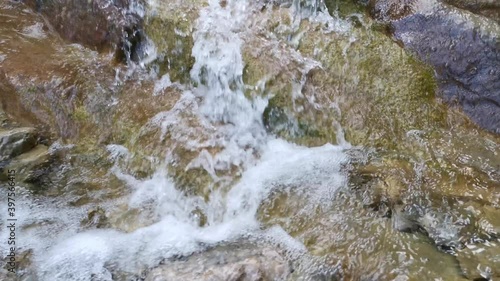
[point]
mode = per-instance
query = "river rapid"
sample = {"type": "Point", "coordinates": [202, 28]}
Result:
{"type": "Point", "coordinates": [253, 145]}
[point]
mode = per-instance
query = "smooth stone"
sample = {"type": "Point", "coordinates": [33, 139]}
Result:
{"type": "Point", "coordinates": [16, 141]}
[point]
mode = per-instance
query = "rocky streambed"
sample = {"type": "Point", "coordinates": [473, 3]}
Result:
{"type": "Point", "coordinates": [251, 140]}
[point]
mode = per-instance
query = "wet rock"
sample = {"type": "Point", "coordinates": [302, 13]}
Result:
{"type": "Point", "coordinates": [78, 95]}
{"type": "Point", "coordinates": [490, 221]}
{"type": "Point", "coordinates": [480, 261]}
{"type": "Point", "coordinates": [81, 97]}
{"type": "Point", "coordinates": [405, 222]}
{"type": "Point", "coordinates": [346, 7]}
{"type": "Point", "coordinates": [423, 148]}
{"type": "Point", "coordinates": [170, 27]}
{"type": "Point", "coordinates": [99, 24]}
{"type": "Point", "coordinates": [5, 89]}
{"type": "Point", "coordinates": [128, 220]}
{"type": "Point", "coordinates": [363, 246]}
{"type": "Point", "coordinates": [96, 218]}
{"type": "Point", "coordinates": [3, 118]}
{"type": "Point", "coordinates": [12, 111]}
{"type": "Point", "coordinates": [16, 141]}
{"type": "Point", "coordinates": [486, 223]}
{"type": "Point", "coordinates": [462, 48]}
{"type": "Point", "coordinates": [69, 93]}
{"type": "Point", "coordinates": [487, 8]}
{"type": "Point", "coordinates": [391, 9]}
{"type": "Point", "coordinates": [226, 263]}
{"type": "Point", "coordinates": [29, 167]}
{"type": "Point", "coordinates": [23, 268]}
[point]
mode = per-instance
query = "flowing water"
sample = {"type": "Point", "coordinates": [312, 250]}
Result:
{"type": "Point", "coordinates": [235, 125]}
{"type": "Point", "coordinates": [263, 187]}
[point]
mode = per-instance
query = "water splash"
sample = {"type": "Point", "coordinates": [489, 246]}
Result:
{"type": "Point", "coordinates": [218, 72]}
{"type": "Point", "coordinates": [228, 120]}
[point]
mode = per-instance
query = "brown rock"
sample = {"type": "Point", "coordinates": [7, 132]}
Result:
{"type": "Point", "coordinates": [226, 263]}
{"type": "Point", "coordinates": [99, 24]}
{"type": "Point", "coordinates": [10, 106]}
{"type": "Point", "coordinates": [480, 261]}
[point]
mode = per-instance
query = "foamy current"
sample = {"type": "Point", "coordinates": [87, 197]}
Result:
{"type": "Point", "coordinates": [233, 122]}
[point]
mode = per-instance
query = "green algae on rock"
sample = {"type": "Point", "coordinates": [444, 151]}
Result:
{"type": "Point", "coordinates": [170, 27]}
{"type": "Point", "coordinates": [445, 38]}
{"type": "Point", "coordinates": [361, 82]}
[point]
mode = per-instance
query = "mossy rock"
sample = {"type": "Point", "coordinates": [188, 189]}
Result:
{"type": "Point", "coordinates": [170, 27]}
{"type": "Point", "coordinates": [345, 8]}
{"type": "Point", "coordinates": [378, 91]}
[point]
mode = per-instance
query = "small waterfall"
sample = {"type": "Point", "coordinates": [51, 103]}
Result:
{"type": "Point", "coordinates": [218, 73]}
{"type": "Point", "coordinates": [230, 121]}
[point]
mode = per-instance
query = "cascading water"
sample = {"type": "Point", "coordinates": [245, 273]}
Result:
{"type": "Point", "coordinates": [232, 122]}
{"type": "Point", "coordinates": [196, 174]}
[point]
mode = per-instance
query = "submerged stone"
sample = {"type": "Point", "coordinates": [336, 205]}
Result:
{"type": "Point", "coordinates": [480, 261]}
{"type": "Point", "coordinates": [405, 222]}
{"type": "Point", "coordinates": [233, 262]}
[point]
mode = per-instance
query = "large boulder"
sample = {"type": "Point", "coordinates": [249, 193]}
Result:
{"type": "Point", "coordinates": [99, 24]}
{"type": "Point", "coordinates": [383, 97]}
{"type": "Point", "coordinates": [75, 95]}
{"type": "Point", "coordinates": [461, 47]}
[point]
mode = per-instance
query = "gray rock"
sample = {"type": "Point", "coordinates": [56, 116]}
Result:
{"type": "Point", "coordinates": [463, 49]}
{"type": "Point", "coordinates": [16, 141]}
{"type": "Point", "coordinates": [3, 118]}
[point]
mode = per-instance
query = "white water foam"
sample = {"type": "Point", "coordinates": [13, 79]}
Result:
{"type": "Point", "coordinates": [317, 171]}
{"type": "Point", "coordinates": [34, 31]}
{"type": "Point", "coordinates": [218, 71]}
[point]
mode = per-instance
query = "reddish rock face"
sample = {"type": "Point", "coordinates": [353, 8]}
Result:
{"type": "Point", "coordinates": [99, 24]}
{"type": "Point", "coordinates": [9, 103]}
